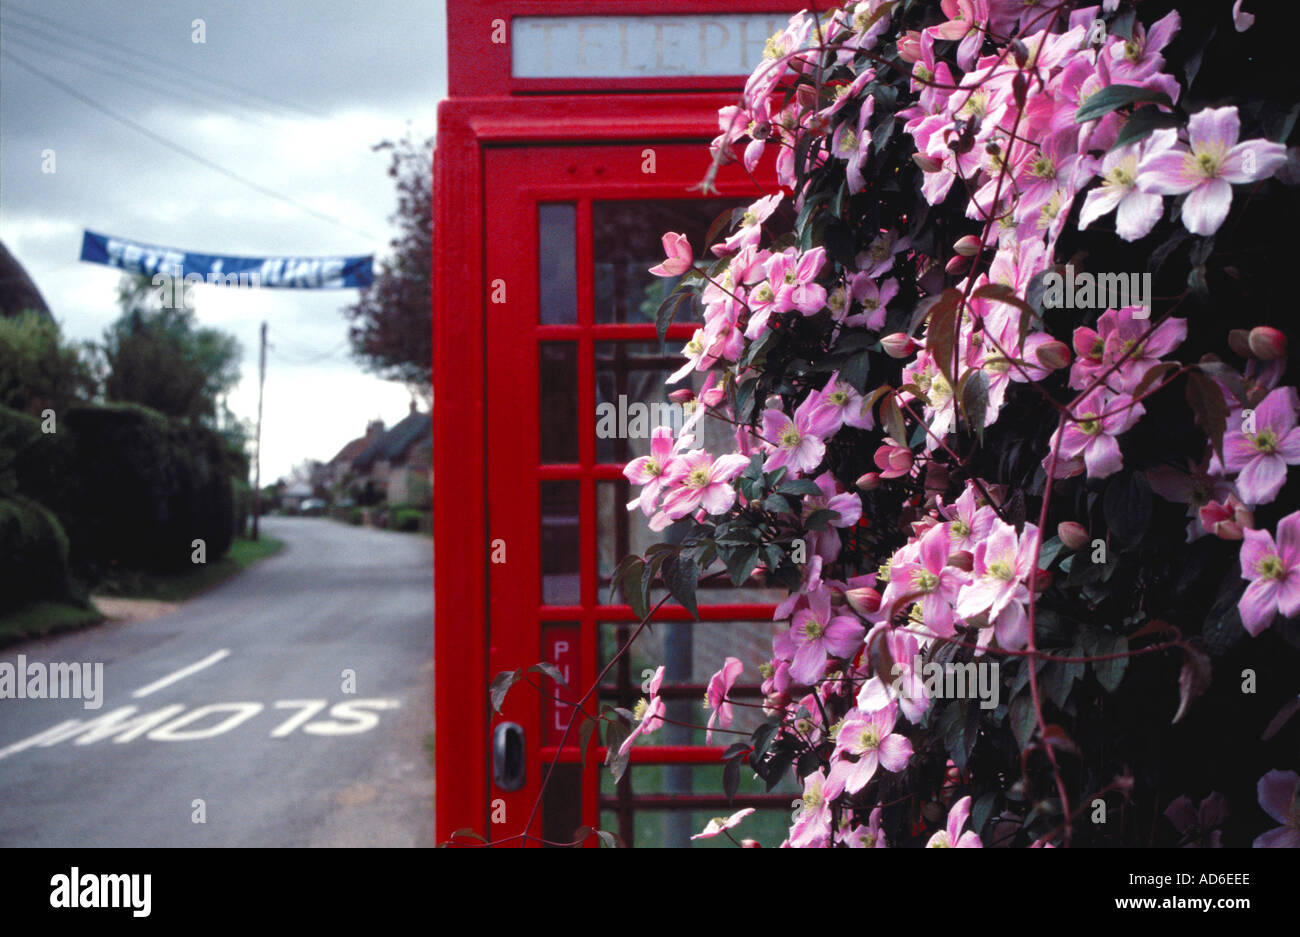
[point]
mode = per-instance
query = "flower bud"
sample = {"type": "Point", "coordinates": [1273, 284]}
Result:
{"type": "Point", "coordinates": [1042, 579]}
{"type": "Point", "coordinates": [1073, 534]}
{"type": "Point", "coordinates": [868, 482]}
{"type": "Point", "coordinates": [962, 559]}
{"type": "Point", "coordinates": [1239, 342]}
{"type": "Point", "coordinates": [909, 46]}
{"type": "Point", "coordinates": [685, 395]}
{"type": "Point", "coordinates": [967, 246]}
{"type": "Point", "coordinates": [1053, 355]}
{"type": "Point", "coordinates": [957, 264]}
{"type": "Point", "coordinates": [806, 95]}
{"type": "Point", "coordinates": [864, 601]}
{"type": "Point", "coordinates": [927, 163]}
{"type": "Point", "coordinates": [898, 345]}
{"type": "Point", "coordinates": [1267, 343]}
{"type": "Point", "coordinates": [750, 844]}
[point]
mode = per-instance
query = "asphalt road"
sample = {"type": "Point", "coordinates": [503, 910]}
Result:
{"type": "Point", "coordinates": [276, 761]}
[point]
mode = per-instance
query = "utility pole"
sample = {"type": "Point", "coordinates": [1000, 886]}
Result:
{"type": "Point", "coordinates": [257, 457]}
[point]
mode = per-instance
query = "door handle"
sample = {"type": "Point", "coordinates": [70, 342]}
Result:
{"type": "Point", "coordinates": [508, 766]}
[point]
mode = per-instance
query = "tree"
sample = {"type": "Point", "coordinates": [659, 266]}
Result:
{"type": "Point", "coordinates": [38, 369]}
{"type": "Point", "coordinates": [391, 323]}
{"type": "Point", "coordinates": [156, 356]}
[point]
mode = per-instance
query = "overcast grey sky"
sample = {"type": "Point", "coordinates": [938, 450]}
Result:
{"type": "Point", "coordinates": [290, 95]}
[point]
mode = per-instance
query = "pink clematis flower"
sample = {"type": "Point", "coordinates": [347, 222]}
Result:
{"type": "Point", "coordinates": [649, 470]}
{"type": "Point", "coordinates": [869, 736]}
{"type": "Point", "coordinates": [1101, 416]}
{"type": "Point", "coordinates": [719, 825]}
{"type": "Point", "coordinates": [952, 837]}
{"type": "Point", "coordinates": [929, 581]}
{"type": "Point", "coordinates": [864, 836]}
{"type": "Point", "coordinates": [798, 443]}
{"type": "Point", "coordinates": [715, 697]}
{"type": "Point", "coordinates": [1279, 795]}
{"type": "Point", "coordinates": [1002, 563]}
{"type": "Point", "coordinates": [1227, 521]}
{"type": "Point", "coordinates": [812, 830]}
{"type": "Point", "coordinates": [649, 713]}
{"type": "Point", "coordinates": [680, 257]}
{"type": "Point", "coordinates": [1207, 168]}
{"type": "Point", "coordinates": [1274, 571]}
{"type": "Point", "coordinates": [815, 636]}
{"type": "Point", "coordinates": [1262, 452]}
{"type": "Point", "coordinates": [1199, 825]}
{"type": "Point", "coordinates": [1136, 211]}
{"type": "Point", "coordinates": [699, 481]}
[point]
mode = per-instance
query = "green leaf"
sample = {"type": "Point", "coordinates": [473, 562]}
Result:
{"type": "Point", "coordinates": [1113, 97]}
{"type": "Point", "coordinates": [778, 504]}
{"type": "Point", "coordinates": [731, 778]}
{"type": "Point", "coordinates": [681, 576]}
{"type": "Point", "coordinates": [959, 726]}
{"type": "Point", "coordinates": [799, 486]}
{"type": "Point", "coordinates": [720, 223]}
{"type": "Point", "coordinates": [821, 518]}
{"type": "Point", "coordinates": [501, 685]}
{"type": "Point", "coordinates": [1127, 506]}
{"type": "Point", "coordinates": [1142, 123]}
{"type": "Point", "coordinates": [668, 309]}
{"type": "Point", "coordinates": [973, 395]}
{"type": "Point", "coordinates": [630, 586]}
{"type": "Point", "coordinates": [1209, 408]}
{"type": "Point", "coordinates": [891, 416]}
{"type": "Point", "coordinates": [741, 563]}
{"type": "Point", "coordinates": [1109, 672]}
{"type": "Point", "coordinates": [615, 735]}
{"type": "Point", "coordinates": [1023, 720]}
{"type": "Point", "coordinates": [856, 370]}
{"type": "Point", "coordinates": [585, 732]}
{"type": "Point", "coordinates": [550, 670]}
{"type": "Point", "coordinates": [941, 334]}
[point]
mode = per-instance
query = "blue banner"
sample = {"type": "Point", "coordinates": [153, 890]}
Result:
{"type": "Point", "coordinates": [283, 272]}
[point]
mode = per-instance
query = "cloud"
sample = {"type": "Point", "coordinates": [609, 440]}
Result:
{"type": "Point", "coordinates": [288, 94]}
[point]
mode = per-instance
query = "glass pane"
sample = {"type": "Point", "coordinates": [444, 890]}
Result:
{"type": "Point", "coordinates": [557, 258]}
{"type": "Point", "coordinates": [557, 370]}
{"type": "Point", "coordinates": [620, 532]}
{"type": "Point", "coordinates": [628, 241]}
{"type": "Point", "coordinates": [690, 653]}
{"type": "Point", "coordinates": [632, 399]}
{"type": "Point", "coordinates": [560, 551]}
{"type": "Point", "coordinates": [562, 804]}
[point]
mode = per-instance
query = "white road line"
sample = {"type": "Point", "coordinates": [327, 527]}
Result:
{"type": "Point", "coordinates": [182, 673]}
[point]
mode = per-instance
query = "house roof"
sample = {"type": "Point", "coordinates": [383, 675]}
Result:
{"type": "Point", "coordinates": [350, 451]}
{"type": "Point", "coordinates": [393, 444]}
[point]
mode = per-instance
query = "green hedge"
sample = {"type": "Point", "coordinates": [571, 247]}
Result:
{"type": "Point", "coordinates": [147, 487]}
{"type": "Point", "coordinates": [33, 554]}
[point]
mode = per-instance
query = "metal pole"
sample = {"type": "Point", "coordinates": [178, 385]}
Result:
{"type": "Point", "coordinates": [257, 457]}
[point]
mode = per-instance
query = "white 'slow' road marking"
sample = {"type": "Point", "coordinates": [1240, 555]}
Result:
{"type": "Point", "coordinates": [182, 673]}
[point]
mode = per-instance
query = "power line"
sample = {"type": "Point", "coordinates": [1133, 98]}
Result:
{"type": "Point", "coordinates": [148, 82]}
{"type": "Point", "coordinates": [176, 147]}
{"type": "Point", "coordinates": [162, 63]}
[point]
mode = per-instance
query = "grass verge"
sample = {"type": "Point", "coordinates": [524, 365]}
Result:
{"type": "Point", "coordinates": [176, 587]}
{"type": "Point", "coordinates": [36, 619]}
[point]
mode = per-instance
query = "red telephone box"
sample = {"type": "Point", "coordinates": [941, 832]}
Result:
{"type": "Point", "coordinates": [571, 140]}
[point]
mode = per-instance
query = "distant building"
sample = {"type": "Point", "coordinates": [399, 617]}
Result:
{"type": "Point", "coordinates": [399, 461]}
{"type": "Point", "coordinates": [337, 468]}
